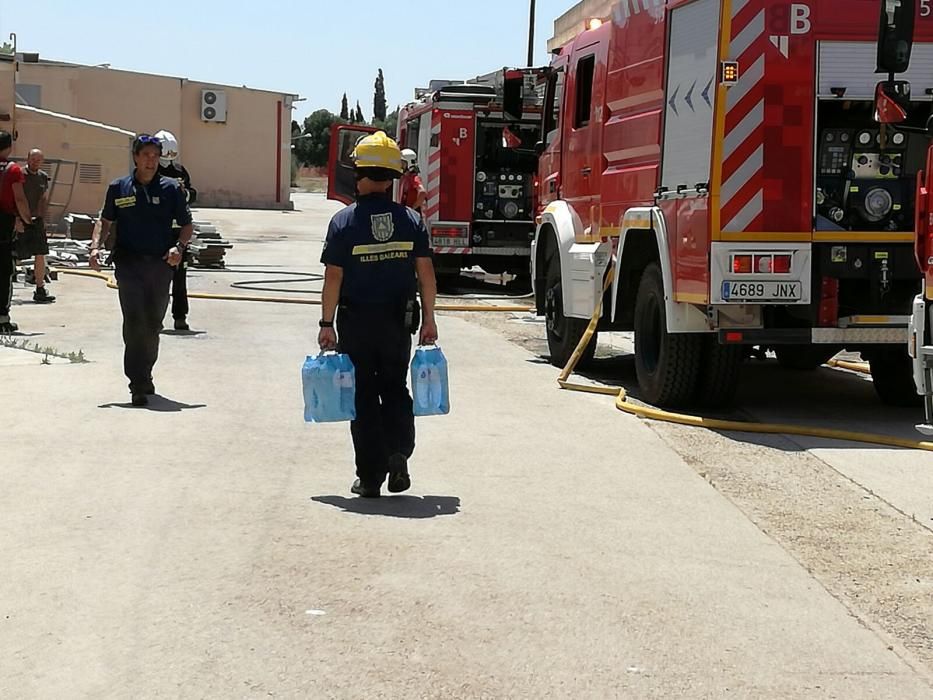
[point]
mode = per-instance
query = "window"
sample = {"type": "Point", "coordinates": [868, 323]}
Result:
{"type": "Point", "coordinates": [554, 99]}
{"type": "Point", "coordinates": [586, 67]}
{"type": "Point", "coordinates": [412, 133]}
{"type": "Point", "coordinates": [29, 95]}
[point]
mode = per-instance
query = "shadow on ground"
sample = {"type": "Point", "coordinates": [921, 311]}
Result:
{"type": "Point", "coordinates": [395, 506]}
{"type": "Point", "coordinates": [157, 404]}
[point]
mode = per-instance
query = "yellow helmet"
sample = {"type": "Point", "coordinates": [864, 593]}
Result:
{"type": "Point", "coordinates": [378, 151]}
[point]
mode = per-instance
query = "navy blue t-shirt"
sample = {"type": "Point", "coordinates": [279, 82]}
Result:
{"type": "Point", "coordinates": [376, 242]}
{"type": "Point", "coordinates": [144, 214]}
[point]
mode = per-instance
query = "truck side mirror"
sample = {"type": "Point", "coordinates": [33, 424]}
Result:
{"type": "Point", "coordinates": [513, 94]}
{"type": "Point", "coordinates": [540, 147]}
{"type": "Point", "coordinates": [895, 36]}
{"type": "Point", "coordinates": [892, 98]}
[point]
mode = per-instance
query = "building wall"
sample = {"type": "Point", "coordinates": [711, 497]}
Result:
{"type": "Point", "coordinates": [244, 162]}
{"type": "Point", "coordinates": [83, 158]}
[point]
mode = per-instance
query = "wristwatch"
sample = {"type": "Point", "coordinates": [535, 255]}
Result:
{"type": "Point", "coordinates": [325, 324]}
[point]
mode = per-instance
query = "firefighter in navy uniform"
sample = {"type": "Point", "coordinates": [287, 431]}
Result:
{"type": "Point", "coordinates": [144, 206]}
{"type": "Point", "coordinates": [170, 167]}
{"type": "Point", "coordinates": [377, 254]}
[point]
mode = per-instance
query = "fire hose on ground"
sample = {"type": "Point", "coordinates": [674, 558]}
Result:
{"type": "Point", "coordinates": [622, 401]}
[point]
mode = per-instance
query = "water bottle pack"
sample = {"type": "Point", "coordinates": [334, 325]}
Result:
{"type": "Point", "coordinates": [429, 384]}
{"type": "Point", "coordinates": [329, 386]}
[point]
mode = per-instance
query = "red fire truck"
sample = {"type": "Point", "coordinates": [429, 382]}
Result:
{"type": "Point", "coordinates": [726, 159]}
{"type": "Point", "coordinates": [478, 164]}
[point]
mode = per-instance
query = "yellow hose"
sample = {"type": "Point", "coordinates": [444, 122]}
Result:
{"type": "Point", "coordinates": [657, 414]}
{"type": "Point", "coordinates": [622, 403]}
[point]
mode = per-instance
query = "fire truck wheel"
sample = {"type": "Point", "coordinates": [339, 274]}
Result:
{"type": "Point", "coordinates": [720, 368]}
{"type": "Point", "coordinates": [804, 358]}
{"type": "Point", "coordinates": [892, 375]}
{"type": "Point", "coordinates": [667, 364]}
{"type": "Point", "coordinates": [563, 334]}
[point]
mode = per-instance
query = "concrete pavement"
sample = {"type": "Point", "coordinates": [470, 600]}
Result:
{"type": "Point", "coordinates": [210, 548]}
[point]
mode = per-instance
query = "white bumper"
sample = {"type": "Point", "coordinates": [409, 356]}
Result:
{"type": "Point", "coordinates": [922, 355]}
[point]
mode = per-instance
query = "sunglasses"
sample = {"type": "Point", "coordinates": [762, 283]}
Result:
{"type": "Point", "coordinates": [147, 140]}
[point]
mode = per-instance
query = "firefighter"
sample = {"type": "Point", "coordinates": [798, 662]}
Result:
{"type": "Point", "coordinates": [170, 167]}
{"type": "Point", "coordinates": [411, 189]}
{"type": "Point", "coordinates": [376, 255]}
{"type": "Point", "coordinates": [144, 205]}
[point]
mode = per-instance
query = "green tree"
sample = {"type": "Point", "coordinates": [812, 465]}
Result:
{"type": "Point", "coordinates": [345, 108]}
{"type": "Point", "coordinates": [313, 149]}
{"type": "Point", "coordinates": [389, 125]}
{"type": "Point", "coordinates": [379, 99]}
{"type": "Point", "coordinates": [360, 119]}
{"type": "Point", "coordinates": [6, 49]}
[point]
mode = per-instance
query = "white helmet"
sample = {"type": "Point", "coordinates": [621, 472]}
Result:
{"type": "Point", "coordinates": [169, 147]}
{"type": "Point", "coordinates": [409, 157]}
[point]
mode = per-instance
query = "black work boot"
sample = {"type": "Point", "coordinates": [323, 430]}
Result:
{"type": "Point", "coordinates": [139, 399]}
{"type": "Point", "coordinates": [7, 326]}
{"type": "Point", "coordinates": [399, 479]}
{"type": "Point", "coordinates": [41, 296]}
{"type": "Point", "coordinates": [365, 490]}
{"type": "Point", "coordinates": [181, 325]}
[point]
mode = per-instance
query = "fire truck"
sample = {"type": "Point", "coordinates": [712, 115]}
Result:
{"type": "Point", "coordinates": [478, 163]}
{"type": "Point", "coordinates": [737, 168]}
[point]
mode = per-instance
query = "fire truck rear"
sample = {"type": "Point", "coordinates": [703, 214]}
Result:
{"type": "Point", "coordinates": [475, 143]}
{"type": "Point", "coordinates": [732, 162]}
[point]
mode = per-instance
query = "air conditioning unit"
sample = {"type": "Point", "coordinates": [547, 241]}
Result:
{"type": "Point", "coordinates": [213, 106]}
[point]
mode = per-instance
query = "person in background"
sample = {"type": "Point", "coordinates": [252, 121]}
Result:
{"type": "Point", "coordinates": [411, 188]}
{"type": "Point", "coordinates": [170, 167]}
{"type": "Point", "coordinates": [145, 206]}
{"type": "Point", "coordinates": [14, 215]}
{"type": "Point", "coordinates": [34, 242]}
{"type": "Point", "coordinates": [376, 255]}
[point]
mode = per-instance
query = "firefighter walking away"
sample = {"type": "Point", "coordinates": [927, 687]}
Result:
{"type": "Point", "coordinates": [377, 255]}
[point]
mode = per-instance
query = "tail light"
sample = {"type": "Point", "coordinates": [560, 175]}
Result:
{"type": "Point", "coordinates": [762, 264]}
{"type": "Point", "coordinates": [742, 264]}
{"type": "Point", "coordinates": [782, 264]}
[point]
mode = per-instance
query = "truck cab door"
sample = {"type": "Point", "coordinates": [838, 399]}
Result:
{"type": "Point", "coordinates": [581, 164]}
{"type": "Point", "coordinates": [341, 180]}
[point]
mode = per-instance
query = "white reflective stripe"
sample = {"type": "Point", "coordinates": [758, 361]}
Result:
{"type": "Point", "coordinates": [747, 215]}
{"type": "Point", "coordinates": [747, 36]}
{"type": "Point", "coordinates": [743, 130]}
{"type": "Point", "coordinates": [748, 79]}
{"type": "Point", "coordinates": [743, 174]}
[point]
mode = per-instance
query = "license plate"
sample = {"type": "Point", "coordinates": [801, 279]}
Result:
{"type": "Point", "coordinates": [762, 291]}
{"type": "Point", "coordinates": [441, 242]}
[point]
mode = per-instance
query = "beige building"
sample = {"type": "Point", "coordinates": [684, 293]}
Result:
{"type": "Point", "coordinates": [82, 157]}
{"type": "Point", "coordinates": [235, 141]}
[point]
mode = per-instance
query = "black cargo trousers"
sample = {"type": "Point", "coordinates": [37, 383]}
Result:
{"type": "Point", "coordinates": [180, 286]}
{"type": "Point", "coordinates": [379, 344]}
{"type": "Point", "coordinates": [143, 282]}
{"type": "Point", "coordinates": [7, 264]}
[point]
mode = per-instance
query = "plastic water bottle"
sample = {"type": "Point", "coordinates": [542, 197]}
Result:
{"type": "Point", "coordinates": [329, 387]}
{"type": "Point", "coordinates": [429, 382]}
{"type": "Point", "coordinates": [347, 387]}
{"type": "Point", "coordinates": [421, 383]}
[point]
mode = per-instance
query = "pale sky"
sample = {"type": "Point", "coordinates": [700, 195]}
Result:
{"type": "Point", "coordinates": [316, 48]}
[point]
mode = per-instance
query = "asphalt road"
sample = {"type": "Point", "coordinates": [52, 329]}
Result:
{"type": "Point", "coordinates": [550, 547]}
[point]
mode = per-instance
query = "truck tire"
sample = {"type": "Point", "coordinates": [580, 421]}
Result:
{"type": "Point", "coordinates": [892, 375]}
{"type": "Point", "coordinates": [667, 364]}
{"type": "Point", "coordinates": [720, 369]}
{"type": "Point", "coordinates": [563, 334]}
{"type": "Point", "coordinates": [804, 358]}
